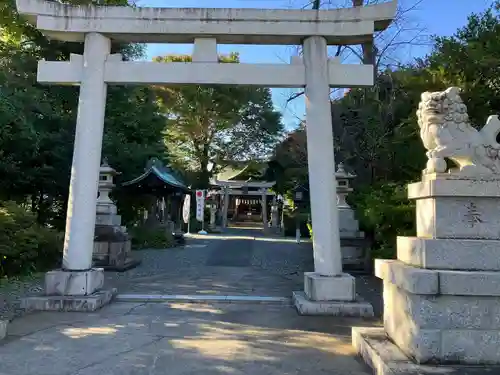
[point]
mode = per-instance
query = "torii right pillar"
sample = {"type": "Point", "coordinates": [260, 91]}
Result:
{"type": "Point", "coordinates": [327, 290]}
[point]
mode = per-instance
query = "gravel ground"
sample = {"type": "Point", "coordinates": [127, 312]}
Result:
{"type": "Point", "coordinates": [273, 258]}
{"type": "Point", "coordinates": [11, 292]}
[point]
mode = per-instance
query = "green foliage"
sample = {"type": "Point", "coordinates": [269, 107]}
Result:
{"type": "Point", "coordinates": [470, 60]}
{"type": "Point", "coordinates": [376, 132]}
{"type": "Point", "coordinates": [290, 219]}
{"type": "Point", "coordinates": [217, 122]}
{"type": "Point", "coordinates": [310, 228]}
{"type": "Point", "coordinates": [195, 225]}
{"type": "Point", "coordinates": [288, 165]}
{"type": "Point", "coordinates": [38, 122]}
{"type": "Point", "coordinates": [384, 212]}
{"type": "Point", "coordinates": [25, 245]}
{"type": "Point", "coordinates": [151, 238]}
{"type": "Point", "coordinates": [375, 129]}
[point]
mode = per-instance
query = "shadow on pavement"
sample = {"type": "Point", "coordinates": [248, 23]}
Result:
{"type": "Point", "coordinates": [183, 338]}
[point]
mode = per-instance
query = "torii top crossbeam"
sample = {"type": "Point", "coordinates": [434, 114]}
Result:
{"type": "Point", "coordinates": [229, 26]}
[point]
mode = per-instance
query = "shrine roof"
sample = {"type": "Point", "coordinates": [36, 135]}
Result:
{"type": "Point", "coordinates": [163, 173]}
{"type": "Point", "coordinates": [231, 172]}
{"type": "Point", "coordinates": [251, 170]}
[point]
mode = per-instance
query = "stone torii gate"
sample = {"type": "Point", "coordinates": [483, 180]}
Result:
{"type": "Point", "coordinates": [97, 26]}
{"type": "Point", "coordinates": [229, 188]}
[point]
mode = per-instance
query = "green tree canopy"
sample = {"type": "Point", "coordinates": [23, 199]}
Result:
{"type": "Point", "coordinates": [218, 123]}
{"type": "Point", "coordinates": [38, 122]}
{"type": "Point", "coordinates": [376, 132]}
{"type": "Point", "coordinates": [288, 165]}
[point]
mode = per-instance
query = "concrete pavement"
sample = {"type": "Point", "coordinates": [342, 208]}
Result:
{"type": "Point", "coordinates": [180, 338]}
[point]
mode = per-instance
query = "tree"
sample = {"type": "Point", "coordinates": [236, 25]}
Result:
{"type": "Point", "coordinates": [388, 48]}
{"type": "Point", "coordinates": [470, 59]}
{"type": "Point", "coordinates": [38, 122]}
{"type": "Point", "coordinates": [288, 165]}
{"type": "Point", "coordinates": [218, 123]}
{"type": "Point", "coordinates": [376, 131]}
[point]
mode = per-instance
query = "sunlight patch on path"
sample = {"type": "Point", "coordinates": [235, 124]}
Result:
{"type": "Point", "coordinates": [242, 237]}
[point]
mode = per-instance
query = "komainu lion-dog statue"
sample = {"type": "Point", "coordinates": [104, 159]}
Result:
{"type": "Point", "coordinates": [446, 133]}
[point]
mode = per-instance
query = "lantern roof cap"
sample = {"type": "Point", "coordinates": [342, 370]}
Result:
{"type": "Point", "coordinates": [342, 173]}
{"type": "Point", "coordinates": [106, 169]}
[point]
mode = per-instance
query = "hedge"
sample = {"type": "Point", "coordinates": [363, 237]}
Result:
{"type": "Point", "coordinates": [25, 245]}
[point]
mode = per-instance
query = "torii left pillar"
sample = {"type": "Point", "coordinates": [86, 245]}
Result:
{"type": "Point", "coordinates": [77, 286]}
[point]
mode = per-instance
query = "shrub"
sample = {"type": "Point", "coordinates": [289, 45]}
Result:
{"type": "Point", "coordinates": [25, 245]}
{"type": "Point", "coordinates": [310, 228]}
{"type": "Point", "coordinates": [384, 212]}
{"type": "Point", "coordinates": [151, 238]}
{"type": "Point", "coordinates": [290, 223]}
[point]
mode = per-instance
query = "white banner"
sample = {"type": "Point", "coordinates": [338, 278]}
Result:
{"type": "Point", "coordinates": [200, 204]}
{"type": "Point", "coordinates": [186, 209]}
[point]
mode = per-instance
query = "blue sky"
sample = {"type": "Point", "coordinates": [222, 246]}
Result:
{"type": "Point", "coordinates": [434, 17]}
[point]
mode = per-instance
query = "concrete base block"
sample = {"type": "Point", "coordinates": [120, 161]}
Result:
{"type": "Point", "coordinates": [357, 308]}
{"type": "Point", "coordinates": [449, 254]}
{"type": "Point", "coordinates": [456, 209]}
{"type": "Point", "coordinates": [106, 209]}
{"type": "Point", "coordinates": [3, 328]}
{"type": "Point", "coordinates": [412, 279]}
{"type": "Point", "coordinates": [108, 220]}
{"type": "Point", "coordinates": [73, 283]}
{"type": "Point", "coordinates": [385, 358]}
{"type": "Point", "coordinates": [329, 288]}
{"type": "Point", "coordinates": [443, 328]}
{"type": "Point", "coordinates": [88, 303]}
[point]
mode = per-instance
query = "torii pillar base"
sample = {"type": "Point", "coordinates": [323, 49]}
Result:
{"type": "Point", "coordinates": [79, 291]}
{"type": "Point", "coordinates": [331, 295]}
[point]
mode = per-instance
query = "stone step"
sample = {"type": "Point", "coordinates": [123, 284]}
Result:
{"type": "Point", "coordinates": [385, 358]}
{"type": "Point", "coordinates": [201, 298]}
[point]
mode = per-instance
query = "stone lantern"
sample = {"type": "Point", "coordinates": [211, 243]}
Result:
{"type": "Point", "coordinates": [210, 202]}
{"type": "Point", "coordinates": [106, 209]}
{"type": "Point", "coordinates": [343, 185]}
{"type": "Point", "coordinates": [299, 195]}
{"type": "Point", "coordinates": [112, 246]}
{"type": "Point", "coordinates": [355, 249]}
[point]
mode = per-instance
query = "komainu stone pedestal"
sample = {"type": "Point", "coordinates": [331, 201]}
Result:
{"type": "Point", "coordinates": [71, 291]}
{"type": "Point", "coordinates": [442, 294]}
{"type": "Point", "coordinates": [329, 295]}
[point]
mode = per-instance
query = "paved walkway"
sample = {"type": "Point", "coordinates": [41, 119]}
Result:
{"type": "Point", "coordinates": [180, 338]}
{"type": "Point", "coordinates": [242, 262]}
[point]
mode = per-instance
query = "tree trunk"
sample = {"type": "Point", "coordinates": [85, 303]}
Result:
{"type": "Point", "coordinates": [40, 212]}
{"type": "Point", "coordinates": [205, 174]}
{"type": "Point", "coordinates": [369, 49]}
